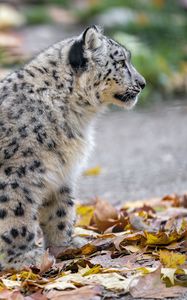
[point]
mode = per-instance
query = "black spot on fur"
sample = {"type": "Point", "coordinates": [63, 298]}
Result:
{"type": "Point", "coordinates": [60, 86]}
{"type": "Point", "coordinates": [8, 171]}
{"type": "Point", "coordinates": [30, 237]}
{"type": "Point", "coordinates": [35, 164]}
{"type": "Point", "coordinates": [14, 185]}
{"type": "Point", "coordinates": [39, 70]}
{"type": "Point", "coordinates": [23, 231]}
{"type": "Point", "coordinates": [61, 226]}
{"type": "Point", "coordinates": [61, 212]}
{"type": "Point", "coordinates": [3, 198]}
{"type": "Point", "coordinates": [3, 213]}
{"type": "Point", "coordinates": [19, 211]}
{"type": "Point", "coordinates": [23, 247]}
{"type": "Point", "coordinates": [3, 185]}
{"type": "Point", "coordinates": [46, 82]}
{"type": "Point", "coordinates": [51, 145]}
{"type": "Point", "coordinates": [22, 131]}
{"type": "Point", "coordinates": [39, 90]}
{"type": "Point", "coordinates": [30, 73]}
{"type": "Point", "coordinates": [21, 171]}
{"type": "Point", "coordinates": [55, 76]}
{"type": "Point", "coordinates": [6, 239]}
{"type": "Point", "coordinates": [14, 232]}
{"type": "Point", "coordinates": [53, 63]}
{"type": "Point", "coordinates": [12, 149]}
{"type": "Point", "coordinates": [108, 73]}
{"type": "Point", "coordinates": [46, 70]}
{"type": "Point", "coordinates": [65, 189]}
{"type": "Point", "coordinates": [39, 138]}
{"type": "Point", "coordinates": [29, 199]}
{"type": "Point", "coordinates": [76, 56]}
{"type": "Point", "coordinates": [27, 152]}
{"type": "Point", "coordinates": [10, 252]}
{"type": "Point", "coordinates": [15, 88]}
{"type": "Point", "coordinates": [20, 76]}
{"type": "Point", "coordinates": [68, 131]}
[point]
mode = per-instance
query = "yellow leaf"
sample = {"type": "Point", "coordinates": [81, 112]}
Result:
{"type": "Point", "coordinates": [24, 275]}
{"type": "Point", "coordinates": [85, 214]}
{"type": "Point", "coordinates": [93, 171]}
{"type": "Point", "coordinates": [96, 269]}
{"type": "Point", "coordinates": [144, 270]}
{"type": "Point", "coordinates": [168, 273]}
{"type": "Point", "coordinates": [161, 238]}
{"type": "Point", "coordinates": [88, 249]}
{"type": "Point", "coordinates": [171, 259]}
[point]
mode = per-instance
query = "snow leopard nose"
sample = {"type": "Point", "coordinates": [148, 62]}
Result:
{"type": "Point", "coordinates": [140, 81]}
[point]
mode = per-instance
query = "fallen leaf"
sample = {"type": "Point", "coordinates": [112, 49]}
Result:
{"type": "Point", "coordinates": [181, 279]}
{"type": "Point", "coordinates": [36, 296]}
{"type": "Point", "coordinates": [150, 286]}
{"type": "Point", "coordinates": [105, 215]}
{"type": "Point", "coordinates": [88, 249]}
{"type": "Point", "coordinates": [168, 273]}
{"type": "Point", "coordinates": [46, 263]}
{"type": "Point", "coordinates": [171, 259]}
{"type": "Point", "coordinates": [83, 293]}
{"type": "Point", "coordinates": [84, 214]}
{"type": "Point", "coordinates": [106, 261]}
{"type": "Point", "coordinates": [111, 281]}
{"type": "Point", "coordinates": [138, 223]}
{"type": "Point", "coordinates": [93, 171]}
{"type": "Point", "coordinates": [11, 295]}
{"type": "Point", "coordinates": [161, 238]}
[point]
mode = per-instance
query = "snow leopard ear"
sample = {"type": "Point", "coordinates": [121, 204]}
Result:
{"type": "Point", "coordinates": [92, 38]}
{"type": "Point", "coordinates": [89, 40]}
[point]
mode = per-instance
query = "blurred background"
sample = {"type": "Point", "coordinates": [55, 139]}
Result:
{"type": "Point", "coordinates": [141, 153]}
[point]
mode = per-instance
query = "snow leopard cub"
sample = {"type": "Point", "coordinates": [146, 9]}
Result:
{"type": "Point", "coordinates": [46, 113]}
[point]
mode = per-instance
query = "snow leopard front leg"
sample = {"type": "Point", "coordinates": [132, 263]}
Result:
{"type": "Point", "coordinates": [57, 219]}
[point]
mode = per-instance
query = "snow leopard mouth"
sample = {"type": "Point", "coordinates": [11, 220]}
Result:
{"type": "Point", "coordinates": [127, 96]}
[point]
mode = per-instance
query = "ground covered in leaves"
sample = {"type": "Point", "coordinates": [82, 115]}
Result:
{"type": "Point", "coordinates": [137, 249]}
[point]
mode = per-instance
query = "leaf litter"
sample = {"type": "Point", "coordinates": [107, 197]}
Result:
{"type": "Point", "coordinates": [137, 249]}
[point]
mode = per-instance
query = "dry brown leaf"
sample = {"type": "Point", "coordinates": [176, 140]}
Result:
{"type": "Point", "coordinates": [138, 223]}
{"type": "Point", "coordinates": [150, 286]}
{"type": "Point", "coordinates": [120, 242]}
{"type": "Point", "coordinates": [11, 295]}
{"type": "Point", "coordinates": [83, 293]}
{"type": "Point", "coordinates": [106, 261]}
{"type": "Point", "coordinates": [105, 215]}
{"type": "Point", "coordinates": [36, 296]}
{"type": "Point", "coordinates": [47, 262]}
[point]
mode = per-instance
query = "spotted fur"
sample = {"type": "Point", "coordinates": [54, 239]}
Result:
{"type": "Point", "coordinates": [47, 109]}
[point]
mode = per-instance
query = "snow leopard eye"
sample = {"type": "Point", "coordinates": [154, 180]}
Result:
{"type": "Point", "coordinates": [122, 63]}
